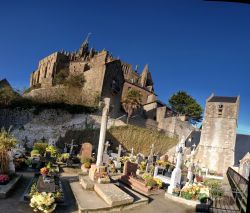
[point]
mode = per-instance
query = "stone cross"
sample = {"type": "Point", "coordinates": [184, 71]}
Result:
{"type": "Point", "coordinates": [191, 165]}
{"type": "Point", "coordinates": [106, 147]}
{"type": "Point", "coordinates": [117, 161]}
{"type": "Point", "coordinates": [176, 174]}
{"type": "Point", "coordinates": [65, 148]}
{"type": "Point", "coordinates": [119, 152]}
{"type": "Point", "coordinates": [71, 145]}
{"type": "Point", "coordinates": [132, 153]}
{"type": "Point", "coordinates": [151, 155]}
{"type": "Point", "coordinates": [11, 164]}
{"type": "Point", "coordinates": [105, 112]}
{"type": "Point", "coordinates": [152, 150]}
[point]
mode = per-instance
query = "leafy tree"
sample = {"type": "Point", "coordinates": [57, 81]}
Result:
{"type": "Point", "coordinates": [131, 102]}
{"type": "Point", "coordinates": [7, 142]}
{"type": "Point", "coordinates": [7, 95]}
{"type": "Point", "coordinates": [185, 104]}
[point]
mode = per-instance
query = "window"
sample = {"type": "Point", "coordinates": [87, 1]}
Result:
{"type": "Point", "coordinates": [220, 109]}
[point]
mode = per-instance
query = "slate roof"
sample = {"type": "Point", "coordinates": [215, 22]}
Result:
{"type": "Point", "coordinates": [242, 147]}
{"type": "Point", "coordinates": [223, 99]}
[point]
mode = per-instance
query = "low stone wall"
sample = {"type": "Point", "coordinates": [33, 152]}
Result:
{"type": "Point", "coordinates": [49, 124]}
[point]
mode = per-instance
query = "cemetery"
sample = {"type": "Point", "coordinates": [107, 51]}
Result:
{"type": "Point", "coordinates": [109, 179]}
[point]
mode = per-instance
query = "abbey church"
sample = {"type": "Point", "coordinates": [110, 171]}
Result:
{"type": "Point", "coordinates": [104, 74]}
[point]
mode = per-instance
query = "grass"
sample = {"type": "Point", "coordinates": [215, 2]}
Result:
{"type": "Point", "coordinates": [129, 136]}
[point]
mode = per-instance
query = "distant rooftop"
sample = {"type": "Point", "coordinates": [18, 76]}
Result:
{"type": "Point", "coordinates": [4, 83]}
{"type": "Point", "coordinates": [223, 99]}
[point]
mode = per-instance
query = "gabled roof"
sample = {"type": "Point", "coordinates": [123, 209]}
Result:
{"type": "Point", "coordinates": [4, 83]}
{"type": "Point", "coordinates": [223, 99]}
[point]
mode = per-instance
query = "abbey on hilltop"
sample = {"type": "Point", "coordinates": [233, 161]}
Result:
{"type": "Point", "coordinates": [104, 74]}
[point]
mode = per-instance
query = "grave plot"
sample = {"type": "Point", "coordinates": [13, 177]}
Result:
{"type": "Point", "coordinates": [8, 177]}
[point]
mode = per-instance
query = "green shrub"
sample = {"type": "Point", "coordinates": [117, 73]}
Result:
{"type": "Point", "coordinates": [86, 160]}
{"type": "Point", "coordinates": [34, 153]}
{"type": "Point", "coordinates": [215, 187]}
{"type": "Point", "coordinates": [151, 182]}
{"type": "Point", "coordinates": [41, 147]}
{"type": "Point", "coordinates": [52, 150]}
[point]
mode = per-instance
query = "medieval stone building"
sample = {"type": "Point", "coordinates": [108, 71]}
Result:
{"type": "Point", "coordinates": [216, 149]}
{"type": "Point", "coordinates": [104, 74]}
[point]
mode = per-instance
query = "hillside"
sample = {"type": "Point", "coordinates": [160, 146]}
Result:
{"type": "Point", "coordinates": [129, 136]}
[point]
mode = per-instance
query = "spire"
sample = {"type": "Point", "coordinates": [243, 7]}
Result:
{"type": "Point", "coordinates": [86, 41]}
{"type": "Point", "coordinates": [85, 46]}
{"type": "Point", "coordinates": [145, 70]}
{"type": "Point", "coordinates": [146, 79]}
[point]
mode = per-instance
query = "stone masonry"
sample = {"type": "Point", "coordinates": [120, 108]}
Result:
{"type": "Point", "coordinates": [217, 144]}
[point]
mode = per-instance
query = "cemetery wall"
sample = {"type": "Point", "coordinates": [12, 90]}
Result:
{"type": "Point", "coordinates": [48, 124]}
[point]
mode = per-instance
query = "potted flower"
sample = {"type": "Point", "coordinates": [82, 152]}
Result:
{"type": "Point", "coordinates": [4, 179]}
{"type": "Point", "coordinates": [43, 202]}
{"type": "Point", "coordinates": [44, 171]}
{"type": "Point", "coordinates": [150, 183]}
{"type": "Point", "coordinates": [176, 191]}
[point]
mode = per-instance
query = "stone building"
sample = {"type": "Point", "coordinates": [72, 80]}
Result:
{"type": "Point", "coordinates": [216, 150]}
{"type": "Point", "coordinates": [104, 74]}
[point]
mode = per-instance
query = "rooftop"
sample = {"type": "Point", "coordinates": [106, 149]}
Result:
{"type": "Point", "coordinates": [223, 99]}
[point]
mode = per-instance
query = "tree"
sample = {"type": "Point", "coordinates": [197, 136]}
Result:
{"type": "Point", "coordinates": [7, 95]}
{"type": "Point", "coordinates": [131, 102]}
{"type": "Point", "coordinates": [185, 104]}
{"type": "Point", "coordinates": [7, 141]}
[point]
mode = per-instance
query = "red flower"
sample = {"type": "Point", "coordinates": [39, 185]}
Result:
{"type": "Point", "coordinates": [4, 178]}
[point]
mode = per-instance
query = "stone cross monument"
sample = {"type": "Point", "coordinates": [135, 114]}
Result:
{"type": "Point", "coordinates": [105, 112]}
{"type": "Point", "coordinates": [191, 165]}
{"type": "Point", "coordinates": [176, 174]}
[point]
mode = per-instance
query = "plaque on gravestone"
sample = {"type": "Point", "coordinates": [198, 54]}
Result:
{"type": "Point", "coordinates": [45, 187]}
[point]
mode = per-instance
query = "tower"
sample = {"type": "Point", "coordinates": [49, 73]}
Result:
{"type": "Point", "coordinates": [218, 135]}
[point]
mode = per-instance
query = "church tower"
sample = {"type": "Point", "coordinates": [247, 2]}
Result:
{"type": "Point", "coordinates": [218, 135]}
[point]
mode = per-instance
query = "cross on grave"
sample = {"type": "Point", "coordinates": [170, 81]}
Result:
{"type": "Point", "coordinates": [105, 156]}
{"type": "Point", "coordinates": [106, 147]}
{"type": "Point", "coordinates": [151, 155]}
{"type": "Point", "coordinates": [132, 152]}
{"type": "Point", "coordinates": [71, 145]}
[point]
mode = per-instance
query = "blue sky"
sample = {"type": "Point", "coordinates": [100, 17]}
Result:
{"type": "Point", "coordinates": [197, 46]}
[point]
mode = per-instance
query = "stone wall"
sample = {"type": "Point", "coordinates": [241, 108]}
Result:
{"type": "Point", "coordinates": [218, 136]}
{"type": "Point", "coordinates": [176, 126]}
{"type": "Point", "coordinates": [49, 124]}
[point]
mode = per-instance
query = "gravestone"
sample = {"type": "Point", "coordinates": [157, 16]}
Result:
{"type": "Point", "coordinates": [139, 158]}
{"type": "Point", "coordinates": [176, 174]}
{"type": "Point", "coordinates": [164, 158]}
{"type": "Point", "coordinates": [130, 168]}
{"type": "Point", "coordinates": [105, 156]}
{"type": "Point", "coordinates": [86, 150]}
{"type": "Point", "coordinates": [11, 163]}
{"type": "Point", "coordinates": [44, 186]}
{"type": "Point", "coordinates": [117, 161]}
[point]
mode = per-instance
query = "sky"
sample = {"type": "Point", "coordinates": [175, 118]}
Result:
{"type": "Point", "coordinates": [196, 46]}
